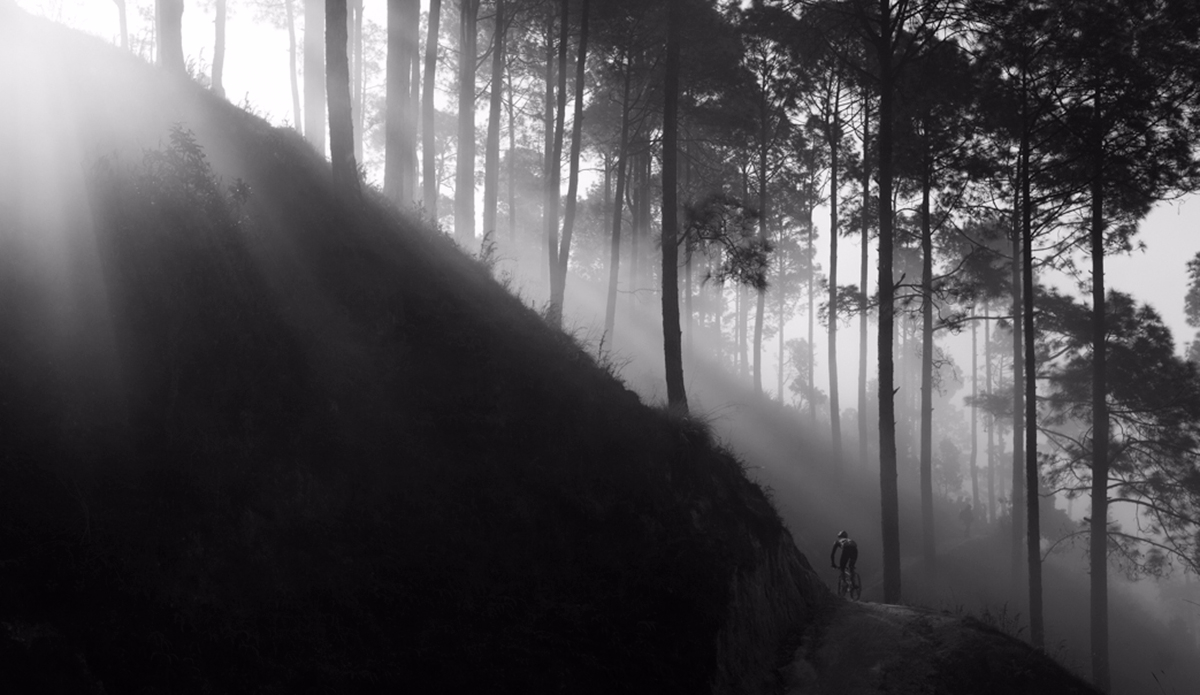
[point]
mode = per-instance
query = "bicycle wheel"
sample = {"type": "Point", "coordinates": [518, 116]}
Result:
{"type": "Point", "coordinates": [855, 586]}
{"type": "Point", "coordinates": [843, 585]}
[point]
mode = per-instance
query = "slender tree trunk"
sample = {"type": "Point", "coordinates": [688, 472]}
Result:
{"type": "Point", "coordinates": [297, 115]}
{"type": "Point", "coordinates": [341, 123]}
{"type": "Point", "coordinates": [429, 177]}
{"type": "Point", "coordinates": [1017, 540]}
{"type": "Point", "coordinates": [218, 65]}
{"type": "Point", "coordinates": [757, 344]}
{"type": "Point", "coordinates": [614, 258]}
{"type": "Point", "coordinates": [564, 252]}
{"type": "Point", "coordinates": [549, 218]}
{"type": "Point", "coordinates": [676, 396]}
{"type": "Point", "coordinates": [812, 315]}
{"type": "Point", "coordinates": [400, 144]}
{"type": "Point", "coordinates": [414, 107]}
{"type": "Point", "coordinates": [835, 405]}
{"type": "Point", "coordinates": [974, 412]}
{"type": "Point", "coordinates": [928, 543]}
{"type": "Point", "coordinates": [123, 18]}
{"type": "Point", "coordinates": [168, 16]}
{"type": "Point", "coordinates": [763, 152]}
{"type": "Point", "coordinates": [635, 223]}
{"type": "Point", "coordinates": [689, 319]}
{"type": "Point", "coordinates": [646, 270]}
{"type": "Point", "coordinates": [743, 331]}
{"type": "Point", "coordinates": [889, 494]}
{"type": "Point", "coordinates": [1033, 546]}
{"type": "Point", "coordinates": [782, 344]}
{"type": "Point", "coordinates": [358, 89]}
{"type": "Point", "coordinates": [512, 164]}
{"type": "Point", "coordinates": [903, 392]}
{"type": "Point", "coordinates": [491, 158]}
{"type": "Point", "coordinates": [464, 180]}
{"type": "Point", "coordinates": [314, 74]}
{"type": "Point", "coordinates": [864, 433]}
{"type": "Point", "coordinates": [606, 204]}
{"type": "Point", "coordinates": [554, 180]}
{"type": "Point", "coordinates": [989, 419]}
{"type": "Point", "coordinates": [412, 111]}
{"type": "Point", "coordinates": [1098, 546]}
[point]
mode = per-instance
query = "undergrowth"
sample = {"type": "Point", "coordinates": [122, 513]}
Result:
{"type": "Point", "coordinates": [323, 451]}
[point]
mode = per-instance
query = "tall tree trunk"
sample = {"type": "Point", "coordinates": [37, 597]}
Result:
{"type": "Point", "coordinates": [564, 252]}
{"type": "Point", "coordinates": [491, 157]}
{"type": "Point", "coordinates": [889, 494]}
{"type": "Point", "coordinates": [341, 123]}
{"type": "Point", "coordinates": [835, 405]}
{"type": "Point", "coordinates": [412, 111]}
{"type": "Point", "coordinates": [218, 65]}
{"type": "Point", "coordinates": [763, 152]}
{"type": "Point", "coordinates": [646, 270]}
{"type": "Point", "coordinates": [1033, 546]}
{"type": "Point", "coordinates": [676, 396]}
{"type": "Point", "coordinates": [168, 17]}
{"type": "Point", "coordinates": [757, 343]}
{"type": "Point", "coordinates": [414, 106]}
{"type": "Point", "coordinates": [429, 177]}
{"type": "Point", "coordinates": [743, 331]}
{"type": "Point", "coordinates": [989, 419]}
{"type": "Point", "coordinates": [614, 257]}
{"type": "Point", "coordinates": [782, 345]}
{"type": "Point", "coordinates": [606, 203]}
{"type": "Point", "coordinates": [928, 544]}
{"type": "Point", "coordinates": [400, 142]}
{"type": "Point", "coordinates": [1017, 539]}
{"type": "Point", "coordinates": [974, 412]}
{"type": "Point", "coordinates": [864, 433]}
{"type": "Point", "coordinates": [549, 222]}
{"type": "Point", "coordinates": [297, 115]}
{"type": "Point", "coordinates": [357, 88]}
{"type": "Point", "coordinates": [689, 318]}
{"type": "Point", "coordinates": [464, 179]}
{"type": "Point", "coordinates": [554, 178]}
{"type": "Point", "coordinates": [635, 222]}
{"type": "Point", "coordinates": [314, 74]}
{"type": "Point", "coordinates": [812, 314]}
{"type": "Point", "coordinates": [123, 18]}
{"type": "Point", "coordinates": [512, 163]}
{"type": "Point", "coordinates": [1098, 545]}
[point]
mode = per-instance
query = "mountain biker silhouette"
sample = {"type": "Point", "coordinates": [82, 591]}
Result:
{"type": "Point", "coordinates": [849, 552]}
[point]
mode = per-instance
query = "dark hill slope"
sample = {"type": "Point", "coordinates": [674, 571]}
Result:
{"type": "Point", "coordinates": [254, 442]}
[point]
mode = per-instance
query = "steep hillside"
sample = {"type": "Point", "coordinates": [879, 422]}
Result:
{"type": "Point", "coordinates": [257, 442]}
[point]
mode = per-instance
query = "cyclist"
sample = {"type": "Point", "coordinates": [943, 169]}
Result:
{"type": "Point", "coordinates": [849, 552]}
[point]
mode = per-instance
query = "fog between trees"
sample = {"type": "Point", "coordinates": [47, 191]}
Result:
{"type": "Point", "coordinates": [973, 154]}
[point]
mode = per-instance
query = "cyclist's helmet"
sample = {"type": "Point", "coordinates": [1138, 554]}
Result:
{"type": "Point", "coordinates": [843, 534]}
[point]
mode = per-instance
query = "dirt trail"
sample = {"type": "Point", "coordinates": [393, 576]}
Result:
{"type": "Point", "coordinates": [870, 649]}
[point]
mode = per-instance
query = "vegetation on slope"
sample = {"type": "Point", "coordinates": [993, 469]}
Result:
{"type": "Point", "coordinates": [278, 445]}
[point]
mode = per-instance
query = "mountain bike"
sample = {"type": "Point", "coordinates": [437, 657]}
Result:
{"type": "Point", "coordinates": [849, 583]}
